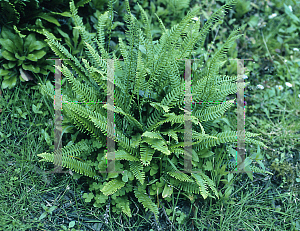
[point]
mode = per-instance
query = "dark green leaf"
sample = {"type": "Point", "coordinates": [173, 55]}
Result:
{"type": "Point", "coordinates": [30, 67]}
{"type": "Point", "coordinates": [47, 17]}
{"type": "Point", "coordinates": [9, 82]}
{"type": "Point", "coordinates": [11, 64]}
{"type": "Point", "coordinates": [7, 34]}
{"type": "Point", "coordinates": [8, 45]}
{"type": "Point", "coordinates": [9, 56]}
{"type": "Point", "coordinates": [4, 72]}
{"type": "Point", "coordinates": [36, 45]}
{"type": "Point", "coordinates": [20, 57]}
{"type": "Point", "coordinates": [39, 54]}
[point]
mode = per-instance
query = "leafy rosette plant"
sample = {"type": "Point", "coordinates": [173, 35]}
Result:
{"type": "Point", "coordinates": [19, 55]}
{"type": "Point", "coordinates": [148, 108]}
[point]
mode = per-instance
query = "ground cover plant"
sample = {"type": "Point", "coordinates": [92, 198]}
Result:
{"type": "Point", "coordinates": [269, 202]}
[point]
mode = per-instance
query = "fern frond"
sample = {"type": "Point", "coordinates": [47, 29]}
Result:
{"type": "Point", "coordinates": [147, 24]}
{"type": "Point", "coordinates": [100, 38]}
{"type": "Point", "coordinates": [213, 112]}
{"type": "Point", "coordinates": [78, 115]}
{"type": "Point", "coordinates": [172, 118]}
{"type": "Point", "coordinates": [86, 93]}
{"type": "Point", "coordinates": [189, 41]}
{"type": "Point", "coordinates": [130, 118]}
{"type": "Point", "coordinates": [101, 122]}
{"type": "Point", "coordinates": [259, 170]}
{"type": "Point", "coordinates": [69, 162]}
{"type": "Point", "coordinates": [202, 185]}
{"type": "Point", "coordinates": [180, 176]}
{"type": "Point", "coordinates": [210, 183]}
{"type": "Point", "coordinates": [189, 187]}
{"type": "Point", "coordinates": [125, 208]}
{"type": "Point", "coordinates": [137, 169]}
{"type": "Point", "coordinates": [146, 201]}
{"type": "Point", "coordinates": [161, 24]}
{"type": "Point", "coordinates": [123, 155]}
{"type": "Point", "coordinates": [63, 53]}
{"type": "Point", "coordinates": [75, 149]}
{"type": "Point", "coordinates": [86, 37]}
{"type": "Point", "coordinates": [252, 141]}
{"type": "Point", "coordinates": [157, 144]}
{"type": "Point", "coordinates": [146, 154]}
{"type": "Point", "coordinates": [112, 186]}
{"type": "Point", "coordinates": [215, 17]}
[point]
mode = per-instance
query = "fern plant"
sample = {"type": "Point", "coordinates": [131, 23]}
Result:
{"type": "Point", "coordinates": [149, 119]}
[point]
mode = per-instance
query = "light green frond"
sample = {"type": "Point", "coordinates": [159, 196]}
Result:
{"type": "Point", "coordinates": [86, 36]}
{"type": "Point", "coordinates": [189, 41]}
{"type": "Point", "coordinates": [225, 137]}
{"type": "Point", "coordinates": [123, 49]}
{"type": "Point", "coordinates": [212, 112]}
{"type": "Point", "coordinates": [147, 24]}
{"type": "Point", "coordinates": [160, 107]}
{"type": "Point", "coordinates": [161, 24]}
{"type": "Point", "coordinates": [82, 3]}
{"type": "Point", "coordinates": [173, 118]}
{"type": "Point", "coordinates": [125, 208]}
{"type": "Point", "coordinates": [173, 96]}
{"type": "Point", "coordinates": [99, 61]}
{"type": "Point", "coordinates": [97, 77]}
{"type": "Point", "coordinates": [222, 137]}
{"type": "Point", "coordinates": [172, 133]}
{"type": "Point", "coordinates": [123, 155]}
{"type": "Point", "coordinates": [78, 115]}
{"type": "Point", "coordinates": [63, 53]}
{"type": "Point", "coordinates": [189, 187]}
{"type": "Point", "coordinates": [252, 141]}
{"type": "Point", "coordinates": [69, 162]}
{"type": "Point", "coordinates": [140, 75]}
{"type": "Point", "coordinates": [75, 149]}
{"type": "Point", "coordinates": [137, 169]}
{"type": "Point", "coordinates": [158, 145]}
{"type": "Point", "coordinates": [86, 93]}
{"type": "Point", "coordinates": [154, 135]}
{"type": "Point", "coordinates": [119, 137]}
{"type": "Point", "coordinates": [180, 176]}
{"type": "Point", "coordinates": [214, 18]}
{"type": "Point", "coordinates": [146, 201]}
{"type": "Point", "coordinates": [180, 28]}
{"type": "Point", "coordinates": [259, 170]}
{"type": "Point", "coordinates": [146, 154]}
{"type": "Point", "coordinates": [202, 185]}
{"type": "Point", "coordinates": [100, 32]}
{"type": "Point", "coordinates": [210, 183]}
{"type": "Point", "coordinates": [112, 186]}
{"type": "Point", "coordinates": [173, 74]}
{"type": "Point", "coordinates": [226, 89]}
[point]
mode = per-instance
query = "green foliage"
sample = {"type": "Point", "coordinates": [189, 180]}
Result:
{"type": "Point", "coordinates": [21, 12]}
{"type": "Point", "coordinates": [147, 113]}
{"type": "Point", "coordinates": [21, 55]}
{"type": "Point", "coordinates": [31, 15]}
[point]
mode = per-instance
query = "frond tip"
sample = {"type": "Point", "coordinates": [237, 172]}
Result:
{"type": "Point", "coordinates": [68, 162]}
